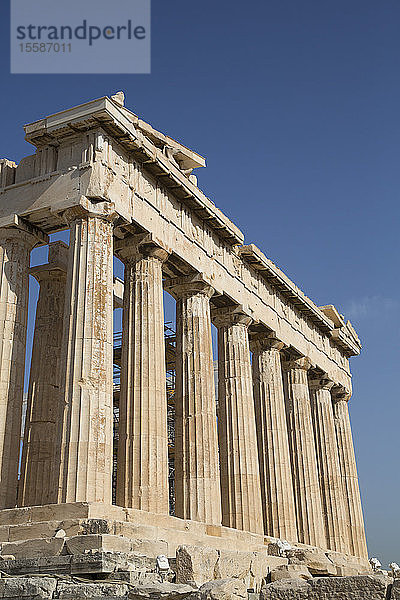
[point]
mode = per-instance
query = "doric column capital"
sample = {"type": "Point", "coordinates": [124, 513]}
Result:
{"type": "Point", "coordinates": [303, 363]}
{"type": "Point", "coordinates": [57, 264]}
{"type": "Point", "coordinates": [24, 232]}
{"type": "Point", "coordinates": [340, 393]}
{"type": "Point", "coordinates": [266, 342]}
{"type": "Point", "coordinates": [101, 210]}
{"type": "Point", "coordinates": [321, 382]}
{"type": "Point", "coordinates": [190, 285]}
{"type": "Point", "coordinates": [47, 272]}
{"type": "Point", "coordinates": [230, 315]}
{"type": "Point", "coordinates": [135, 247]}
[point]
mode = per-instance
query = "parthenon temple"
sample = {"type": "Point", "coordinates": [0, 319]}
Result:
{"type": "Point", "coordinates": [265, 455]}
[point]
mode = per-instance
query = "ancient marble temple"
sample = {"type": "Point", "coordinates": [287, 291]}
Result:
{"type": "Point", "coordinates": [273, 458]}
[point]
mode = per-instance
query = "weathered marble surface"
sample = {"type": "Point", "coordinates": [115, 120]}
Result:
{"type": "Point", "coordinates": [310, 525]}
{"type": "Point", "coordinates": [368, 587]}
{"type": "Point", "coordinates": [112, 178]}
{"type": "Point", "coordinates": [273, 444]}
{"type": "Point", "coordinates": [143, 437]}
{"type": "Point", "coordinates": [372, 587]}
{"type": "Point", "coordinates": [84, 455]}
{"type": "Point", "coordinates": [42, 426]}
{"type": "Point", "coordinates": [197, 478]}
{"type": "Point", "coordinates": [240, 474]}
{"type": "Point", "coordinates": [15, 247]}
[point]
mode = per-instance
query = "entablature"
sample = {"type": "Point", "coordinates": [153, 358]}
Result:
{"type": "Point", "coordinates": [326, 318]}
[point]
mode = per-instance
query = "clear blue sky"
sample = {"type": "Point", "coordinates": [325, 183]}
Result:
{"type": "Point", "coordinates": [295, 104]}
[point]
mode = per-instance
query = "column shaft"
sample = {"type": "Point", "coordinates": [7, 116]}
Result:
{"type": "Point", "coordinates": [273, 444]}
{"type": "Point", "coordinates": [328, 466]}
{"type": "Point", "coordinates": [142, 469]}
{"type": "Point", "coordinates": [197, 480]}
{"type": "Point", "coordinates": [15, 247]}
{"type": "Point", "coordinates": [86, 366]}
{"type": "Point", "coordinates": [348, 468]}
{"type": "Point", "coordinates": [310, 524]}
{"type": "Point", "coordinates": [42, 428]}
{"type": "Point", "coordinates": [240, 475]}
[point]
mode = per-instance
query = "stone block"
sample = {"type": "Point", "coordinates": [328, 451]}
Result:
{"type": "Point", "coordinates": [262, 564]}
{"type": "Point", "coordinates": [233, 564]}
{"type": "Point", "coordinates": [290, 572]}
{"type": "Point", "coordinates": [195, 565]}
{"type": "Point", "coordinates": [32, 531]}
{"type": "Point", "coordinates": [274, 561]}
{"type": "Point", "coordinates": [97, 526]}
{"type": "Point", "coordinates": [31, 588]}
{"type": "Point", "coordinates": [223, 589]}
{"type": "Point", "coordinates": [161, 591]}
{"type": "Point", "coordinates": [252, 539]}
{"type": "Point", "coordinates": [82, 544]}
{"type": "Point", "coordinates": [364, 587]}
{"type": "Point", "coordinates": [133, 530]}
{"type": "Point", "coordinates": [94, 591]}
{"type": "Point", "coordinates": [395, 595]}
{"type": "Point", "coordinates": [273, 549]}
{"type": "Point", "coordinates": [315, 560]}
{"type": "Point", "coordinates": [180, 538]}
{"type": "Point", "coordinates": [31, 566]}
{"type": "Point", "coordinates": [4, 533]}
{"type": "Point", "coordinates": [251, 567]}
{"type": "Point", "coordinates": [286, 589]}
{"type": "Point", "coordinates": [137, 578]}
{"type": "Point", "coordinates": [58, 512]}
{"type": "Point", "coordinates": [347, 566]}
{"type": "Point", "coordinates": [133, 515]}
{"type": "Point", "coordinates": [110, 512]}
{"type": "Point", "coordinates": [151, 548]}
{"type": "Point", "coordinates": [35, 548]}
{"type": "Point", "coordinates": [72, 527]}
{"type": "Point", "coordinates": [15, 516]}
{"type": "Point", "coordinates": [108, 562]}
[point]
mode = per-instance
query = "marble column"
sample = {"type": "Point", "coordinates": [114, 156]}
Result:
{"type": "Point", "coordinates": [273, 444]}
{"type": "Point", "coordinates": [348, 469]}
{"type": "Point", "coordinates": [86, 381]}
{"type": "Point", "coordinates": [240, 475]}
{"type": "Point", "coordinates": [310, 524]}
{"type": "Point", "coordinates": [15, 247]}
{"type": "Point", "coordinates": [197, 480]}
{"type": "Point", "coordinates": [42, 425]}
{"type": "Point", "coordinates": [333, 506]}
{"type": "Point", "coordinates": [142, 468]}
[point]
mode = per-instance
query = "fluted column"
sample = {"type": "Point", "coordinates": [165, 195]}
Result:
{"type": "Point", "coordinates": [273, 444]}
{"type": "Point", "coordinates": [197, 481]}
{"type": "Point", "coordinates": [42, 426]}
{"type": "Point", "coordinates": [142, 469]}
{"type": "Point", "coordinates": [333, 506]}
{"type": "Point", "coordinates": [240, 475]}
{"type": "Point", "coordinates": [348, 469]}
{"type": "Point", "coordinates": [310, 524]}
{"type": "Point", "coordinates": [86, 381]}
{"type": "Point", "coordinates": [15, 247]}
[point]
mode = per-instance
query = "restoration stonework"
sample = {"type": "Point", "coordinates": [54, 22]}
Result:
{"type": "Point", "coordinates": [268, 457]}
